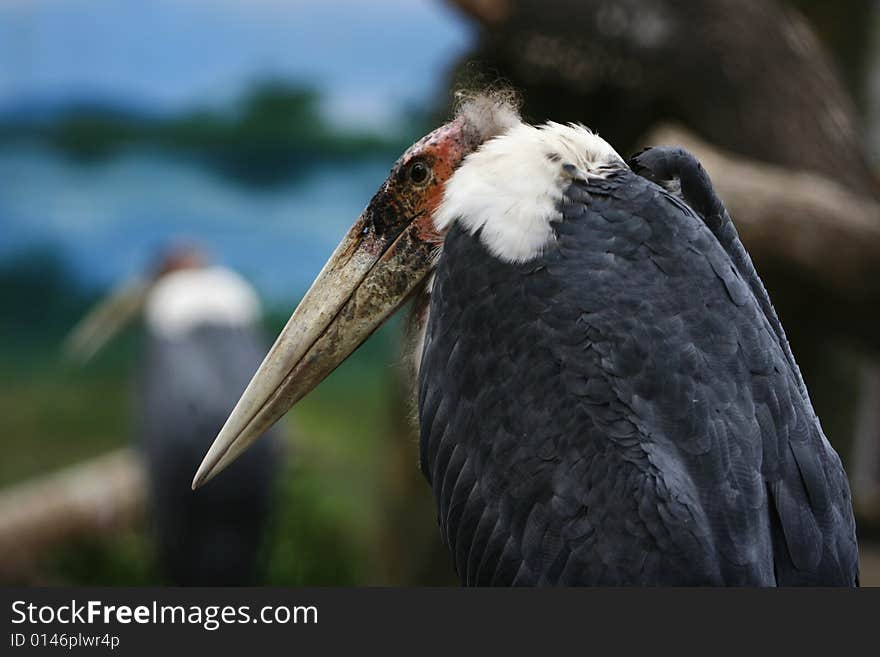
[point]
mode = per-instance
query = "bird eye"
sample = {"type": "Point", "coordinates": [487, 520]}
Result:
{"type": "Point", "coordinates": [419, 173]}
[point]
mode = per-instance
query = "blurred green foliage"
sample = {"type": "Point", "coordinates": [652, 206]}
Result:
{"type": "Point", "coordinates": [275, 133]}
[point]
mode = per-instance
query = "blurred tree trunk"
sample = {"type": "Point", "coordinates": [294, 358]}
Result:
{"type": "Point", "coordinates": [747, 75]}
{"type": "Point", "coordinates": [847, 30]}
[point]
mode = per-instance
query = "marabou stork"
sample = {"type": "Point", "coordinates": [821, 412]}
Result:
{"type": "Point", "coordinates": [606, 395]}
{"type": "Point", "coordinates": [203, 341]}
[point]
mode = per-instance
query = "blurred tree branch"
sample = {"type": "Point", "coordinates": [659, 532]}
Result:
{"type": "Point", "coordinates": [97, 497]}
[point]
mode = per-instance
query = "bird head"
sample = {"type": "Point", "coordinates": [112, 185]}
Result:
{"type": "Point", "coordinates": [126, 302]}
{"type": "Point", "coordinates": [383, 259]}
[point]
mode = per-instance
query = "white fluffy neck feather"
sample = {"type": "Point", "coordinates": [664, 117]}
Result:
{"type": "Point", "coordinates": [511, 185]}
{"type": "Point", "coordinates": [187, 299]}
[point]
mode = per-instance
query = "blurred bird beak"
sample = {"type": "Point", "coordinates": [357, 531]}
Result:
{"type": "Point", "coordinates": [105, 319]}
{"type": "Point", "coordinates": [368, 277]}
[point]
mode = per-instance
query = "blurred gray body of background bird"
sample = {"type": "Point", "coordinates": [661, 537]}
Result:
{"type": "Point", "coordinates": [202, 344]}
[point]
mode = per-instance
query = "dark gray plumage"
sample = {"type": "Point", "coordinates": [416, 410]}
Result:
{"type": "Point", "coordinates": [625, 409]}
{"type": "Point", "coordinates": [188, 386]}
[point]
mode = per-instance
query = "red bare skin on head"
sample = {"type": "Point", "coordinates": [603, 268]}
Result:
{"type": "Point", "coordinates": [179, 257]}
{"type": "Point", "coordinates": [409, 197]}
{"type": "Point", "coordinates": [440, 152]}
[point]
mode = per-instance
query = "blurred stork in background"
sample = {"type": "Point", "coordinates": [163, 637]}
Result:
{"type": "Point", "coordinates": [203, 343]}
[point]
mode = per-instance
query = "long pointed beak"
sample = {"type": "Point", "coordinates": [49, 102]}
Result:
{"type": "Point", "coordinates": [366, 280]}
{"type": "Point", "coordinates": [105, 319]}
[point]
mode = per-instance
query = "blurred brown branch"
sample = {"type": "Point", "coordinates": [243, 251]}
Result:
{"type": "Point", "coordinates": [97, 497]}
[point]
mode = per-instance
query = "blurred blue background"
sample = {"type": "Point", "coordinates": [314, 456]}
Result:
{"type": "Point", "coordinates": [363, 68]}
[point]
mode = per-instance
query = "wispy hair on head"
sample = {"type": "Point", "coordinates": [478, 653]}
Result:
{"type": "Point", "coordinates": [491, 111]}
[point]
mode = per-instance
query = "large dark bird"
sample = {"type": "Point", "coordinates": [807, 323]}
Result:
{"type": "Point", "coordinates": [203, 342]}
{"type": "Point", "coordinates": [606, 395]}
